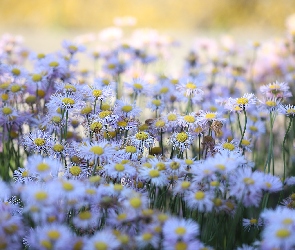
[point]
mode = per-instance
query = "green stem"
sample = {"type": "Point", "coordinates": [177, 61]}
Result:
{"type": "Point", "coordinates": [243, 134]}
{"type": "Point", "coordinates": [284, 150]}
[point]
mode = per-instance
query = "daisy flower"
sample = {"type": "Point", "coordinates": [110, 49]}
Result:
{"type": "Point", "coordinates": [147, 238]}
{"type": "Point", "coordinates": [138, 86]}
{"type": "Point", "coordinates": [96, 150]}
{"type": "Point", "coordinates": [119, 170]}
{"type": "Point", "coordinates": [126, 109]}
{"type": "Point", "coordinates": [247, 185]}
{"type": "Point", "coordinates": [65, 102]}
{"type": "Point", "coordinates": [200, 200]}
{"type": "Point", "coordinates": [86, 219]}
{"type": "Point", "coordinates": [239, 104]}
{"type": "Point", "coordinates": [205, 117]}
{"type": "Point", "coordinates": [142, 139]}
{"type": "Point", "coordinates": [157, 177]}
{"type": "Point", "coordinates": [252, 223]}
{"type": "Point", "coordinates": [188, 121]}
{"type": "Point", "coordinates": [269, 104]}
{"type": "Point", "coordinates": [176, 229]}
{"type": "Point", "coordinates": [181, 140]}
{"type": "Point", "coordinates": [44, 168]}
{"type": "Point", "coordinates": [51, 236]}
{"type": "Point", "coordinates": [73, 47]}
{"type": "Point", "coordinates": [272, 183]}
{"type": "Point", "coordinates": [190, 87]}
{"type": "Point", "coordinates": [287, 110]}
{"type": "Point", "coordinates": [228, 146]}
{"type": "Point", "coordinates": [156, 104]}
{"type": "Point", "coordinates": [276, 90]}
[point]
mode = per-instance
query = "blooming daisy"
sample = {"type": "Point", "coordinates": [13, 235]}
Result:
{"type": "Point", "coordinates": [181, 140]}
{"type": "Point", "coordinates": [126, 109]}
{"type": "Point", "coordinates": [276, 90]}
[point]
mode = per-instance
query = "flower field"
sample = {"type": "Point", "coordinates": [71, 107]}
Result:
{"type": "Point", "coordinates": [115, 153]}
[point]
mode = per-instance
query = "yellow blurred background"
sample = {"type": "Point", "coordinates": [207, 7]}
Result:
{"type": "Point", "coordinates": [53, 20]}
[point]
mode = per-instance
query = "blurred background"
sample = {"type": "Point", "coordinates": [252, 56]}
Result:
{"type": "Point", "coordinates": [44, 23]}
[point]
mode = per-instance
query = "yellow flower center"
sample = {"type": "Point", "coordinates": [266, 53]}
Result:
{"type": "Point", "coordinates": [41, 196]}
{"type": "Point", "coordinates": [15, 71]}
{"type": "Point", "coordinates": [42, 167]}
{"type": "Point", "coordinates": [180, 245]}
{"type": "Point", "coordinates": [4, 97]}
{"type": "Point", "coordinates": [104, 114]}
{"type": "Point", "coordinates": [119, 167]}
{"type": "Point", "coordinates": [121, 217]}
{"type": "Point", "coordinates": [172, 117]}
{"type": "Point", "coordinates": [174, 165]}
{"type": "Point", "coordinates": [185, 184]}
{"type": "Point", "coordinates": [68, 101]}
{"type": "Point", "coordinates": [41, 93]}
{"type": "Point", "coordinates": [248, 181]}
{"type": "Point", "coordinates": [228, 146]}
{"type": "Point", "coordinates": [86, 110]}
{"type": "Point", "coordinates": [70, 88]}
{"type": "Point", "coordinates": [25, 173]}
{"type": "Point", "coordinates": [99, 245]}
{"type": "Point", "coordinates": [290, 111]}
{"type": "Point", "coordinates": [271, 103]}
{"type": "Point", "coordinates": [130, 149]}
{"type": "Point", "coordinates": [283, 233]}
{"type": "Point", "coordinates": [58, 147]}
{"type": "Point", "coordinates": [124, 239]}
{"type": "Point", "coordinates": [96, 126]}
{"type": "Point", "coordinates": [253, 221]}
{"type": "Point", "coordinates": [245, 142]}
{"type": "Point", "coordinates": [96, 93]}
{"type": "Point", "coordinates": [189, 161]}
{"type": "Point", "coordinates": [213, 109]}
{"type": "Point", "coordinates": [217, 202]}
{"type": "Point", "coordinates": [6, 111]}
{"type": "Point", "coordinates": [73, 48]}
{"type": "Point", "coordinates": [182, 137]}
{"type": "Point", "coordinates": [53, 234]}
{"type": "Point", "coordinates": [97, 150]}
{"type": "Point", "coordinates": [189, 118]}
{"type": "Point", "coordinates": [274, 86]}
{"type": "Point", "coordinates": [164, 90]}
{"type": "Point", "coordinates": [210, 116]}
{"type": "Point", "coordinates": [53, 64]}
{"type": "Point", "coordinates": [220, 166]}
{"type": "Point", "coordinates": [135, 202]}
{"type": "Point", "coordinates": [180, 230]}
{"type": "Point", "coordinates": [86, 215]}
{"type": "Point", "coordinates": [156, 102]}
{"type": "Point", "coordinates": [36, 77]}
{"type": "Point", "coordinates": [160, 124]}
{"type": "Point", "coordinates": [242, 101]}
{"type": "Point", "coordinates": [214, 183]}
{"type": "Point", "coordinates": [253, 128]}
{"type": "Point", "coordinates": [147, 236]}
{"type": "Point", "coordinates": [122, 124]}
{"type": "Point", "coordinates": [56, 119]}
{"type": "Point", "coordinates": [127, 108]}
{"type": "Point", "coordinates": [161, 166]}
{"type": "Point", "coordinates": [287, 221]}
{"type": "Point", "coordinates": [190, 85]}
{"type": "Point", "coordinates": [15, 88]}
{"type": "Point", "coordinates": [46, 244]}
{"type": "Point", "coordinates": [199, 195]}
{"type": "Point", "coordinates": [137, 86]}
{"type": "Point", "coordinates": [68, 186]}
{"type": "Point", "coordinates": [141, 136]}
{"type": "Point", "coordinates": [75, 170]}
{"type": "Point", "coordinates": [154, 173]}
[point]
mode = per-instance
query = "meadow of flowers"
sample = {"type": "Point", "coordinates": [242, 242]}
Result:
{"type": "Point", "coordinates": [121, 155]}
